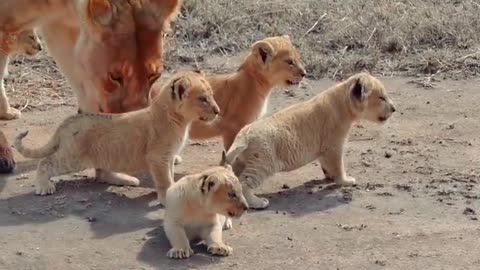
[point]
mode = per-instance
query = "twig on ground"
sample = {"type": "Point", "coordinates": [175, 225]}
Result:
{"type": "Point", "coordinates": [314, 25]}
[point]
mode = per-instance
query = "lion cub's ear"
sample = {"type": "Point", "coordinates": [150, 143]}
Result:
{"type": "Point", "coordinates": [209, 183]}
{"type": "Point", "coordinates": [199, 71]}
{"type": "Point", "coordinates": [264, 50]}
{"type": "Point", "coordinates": [180, 88]}
{"type": "Point", "coordinates": [100, 11]}
{"type": "Point", "coordinates": [224, 161]}
{"type": "Point", "coordinates": [359, 91]}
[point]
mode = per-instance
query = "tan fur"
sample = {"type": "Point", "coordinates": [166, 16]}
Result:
{"type": "Point", "coordinates": [110, 51]}
{"type": "Point", "coordinates": [243, 95]}
{"type": "Point", "coordinates": [27, 43]}
{"type": "Point", "coordinates": [197, 206]}
{"type": "Point", "coordinates": [129, 142]}
{"type": "Point", "coordinates": [313, 130]}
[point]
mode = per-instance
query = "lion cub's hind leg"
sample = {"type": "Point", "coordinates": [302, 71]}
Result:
{"type": "Point", "coordinates": [51, 166]}
{"type": "Point", "coordinates": [212, 235]}
{"type": "Point", "coordinates": [253, 175]}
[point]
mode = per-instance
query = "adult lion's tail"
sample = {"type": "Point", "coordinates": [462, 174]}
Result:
{"type": "Point", "coordinates": [46, 150]}
{"type": "Point", "coordinates": [239, 145]}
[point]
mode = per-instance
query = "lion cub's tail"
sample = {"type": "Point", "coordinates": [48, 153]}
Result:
{"type": "Point", "coordinates": [239, 145]}
{"type": "Point", "coordinates": [46, 150]}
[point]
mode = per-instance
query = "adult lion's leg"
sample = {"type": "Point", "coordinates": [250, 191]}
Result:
{"type": "Point", "coordinates": [6, 112]}
{"type": "Point", "coordinates": [7, 163]}
{"type": "Point", "coordinates": [333, 167]}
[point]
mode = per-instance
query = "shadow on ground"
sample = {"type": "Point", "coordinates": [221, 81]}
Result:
{"type": "Point", "coordinates": [312, 196]}
{"type": "Point", "coordinates": [109, 209]}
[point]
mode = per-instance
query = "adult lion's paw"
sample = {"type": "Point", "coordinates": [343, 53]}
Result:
{"type": "Point", "coordinates": [7, 163]}
{"type": "Point", "coordinates": [220, 249]}
{"type": "Point", "coordinates": [180, 253]}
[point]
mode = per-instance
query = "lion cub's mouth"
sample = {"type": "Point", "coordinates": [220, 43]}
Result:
{"type": "Point", "coordinates": [205, 118]}
{"type": "Point", "coordinates": [290, 82]}
{"type": "Point", "coordinates": [382, 118]}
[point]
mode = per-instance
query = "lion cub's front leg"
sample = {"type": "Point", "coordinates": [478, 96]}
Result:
{"type": "Point", "coordinates": [178, 239]}
{"type": "Point", "coordinates": [162, 173]}
{"type": "Point", "coordinates": [213, 238]}
{"type": "Point", "coordinates": [333, 167]}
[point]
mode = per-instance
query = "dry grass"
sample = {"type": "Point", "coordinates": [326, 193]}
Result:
{"type": "Point", "coordinates": [337, 38]}
{"type": "Point", "coordinates": [37, 83]}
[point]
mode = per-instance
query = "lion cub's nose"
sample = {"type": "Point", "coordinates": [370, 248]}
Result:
{"type": "Point", "coordinates": [393, 108]}
{"type": "Point", "coordinates": [303, 73]}
{"type": "Point", "coordinates": [216, 110]}
{"type": "Point", "coordinates": [245, 207]}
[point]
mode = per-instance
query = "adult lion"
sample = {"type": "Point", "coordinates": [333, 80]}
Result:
{"type": "Point", "coordinates": [110, 51]}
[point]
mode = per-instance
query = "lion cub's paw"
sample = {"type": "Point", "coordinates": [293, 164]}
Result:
{"type": "Point", "coordinates": [10, 114]}
{"type": "Point", "coordinates": [347, 181]}
{"type": "Point", "coordinates": [180, 253]}
{"type": "Point", "coordinates": [45, 188]}
{"type": "Point", "coordinates": [258, 203]}
{"type": "Point", "coordinates": [220, 249]}
{"type": "Point", "coordinates": [178, 159]}
{"type": "Point", "coordinates": [227, 225]}
{"type": "Point", "coordinates": [118, 179]}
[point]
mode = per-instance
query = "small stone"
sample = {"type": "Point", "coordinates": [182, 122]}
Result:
{"type": "Point", "coordinates": [285, 186]}
{"type": "Point", "coordinates": [469, 211]}
{"type": "Point", "coordinates": [91, 219]}
{"type": "Point", "coordinates": [388, 155]}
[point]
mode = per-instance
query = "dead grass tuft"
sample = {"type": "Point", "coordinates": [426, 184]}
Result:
{"type": "Point", "coordinates": [337, 38]}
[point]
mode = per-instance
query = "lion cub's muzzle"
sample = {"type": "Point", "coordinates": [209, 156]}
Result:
{"type": "Point", "coordinates": [211, 113]}
{"type": "Point", "coordinates": [388, 112]}
{"type": "Point", "coordinates": [237, 209]}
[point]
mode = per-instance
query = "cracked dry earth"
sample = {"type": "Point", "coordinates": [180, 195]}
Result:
{"type": "Point", "coordinates": [416, 205]}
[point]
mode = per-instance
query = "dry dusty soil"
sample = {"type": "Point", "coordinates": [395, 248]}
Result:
{"type": "Point", "coordinates": [416, 204]}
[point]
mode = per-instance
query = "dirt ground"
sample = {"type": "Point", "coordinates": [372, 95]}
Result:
{"type": "Point", "coordinates": [414, 206]}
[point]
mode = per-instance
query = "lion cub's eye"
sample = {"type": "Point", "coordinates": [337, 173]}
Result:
{"type": "Point", "coordinates": [153, 77]}
{"type": "Point", "coordinates": [382, 98]}
{"type": "Point", "coordinates": [203, 99]}
{"type": "Point", "coordinates": [116, 78]}
{"type": "Point", "coordinates": [232, 195]}
{"type": "Point", "coordinates": [290, 62]}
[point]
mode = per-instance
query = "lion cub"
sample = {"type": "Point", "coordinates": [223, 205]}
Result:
{"type": "Point", "coordinates": [301, 133]}
{"type": "Point", "coordinates": [197, 206]}
{"type": "Point", "coordinates": [134, 141]}
{"type": "Point", "coordinates": [243, 95]}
